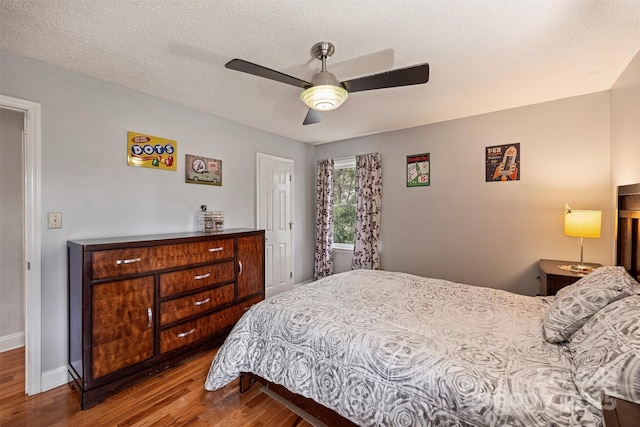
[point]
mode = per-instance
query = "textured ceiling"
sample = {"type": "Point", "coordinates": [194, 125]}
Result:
{"type": "Point", "coordinates": [485, 55]}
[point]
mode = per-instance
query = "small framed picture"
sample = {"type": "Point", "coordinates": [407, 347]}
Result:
{"type": "Point", "coordinates": [202, 170]}
{"type": "Point", "coordinates": [418, 170]}
{"type": "Point", "coordinates": [503, 163]}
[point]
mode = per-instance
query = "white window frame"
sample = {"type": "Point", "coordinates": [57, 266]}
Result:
{"type": "Point", "coordinates": [343, 163]}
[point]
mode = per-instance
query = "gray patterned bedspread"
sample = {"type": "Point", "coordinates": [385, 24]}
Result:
{"type": "Point", "coordinates": [393, 349]}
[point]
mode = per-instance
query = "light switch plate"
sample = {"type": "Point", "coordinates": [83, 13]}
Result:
{"type": "Point", "coordinates": [54, 219]}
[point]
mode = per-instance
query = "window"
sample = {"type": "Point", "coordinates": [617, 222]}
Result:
{"type": "Point", "coordinates": [344, 203]}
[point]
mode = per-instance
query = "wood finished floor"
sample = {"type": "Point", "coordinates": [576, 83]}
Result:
{"type": "Point", "coordinates": [175, 397]}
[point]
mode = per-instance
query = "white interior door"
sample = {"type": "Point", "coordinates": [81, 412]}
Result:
{"type": "Point", "coordinates": [275, 216]}
{"type": "Point", "coordinates": [32, 238]}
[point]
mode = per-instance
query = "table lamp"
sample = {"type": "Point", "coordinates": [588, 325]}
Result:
{"type": "Point", "coordinates": [581, 224]}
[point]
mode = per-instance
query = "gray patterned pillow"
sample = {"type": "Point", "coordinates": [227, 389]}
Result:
{"type": "Point", "coordinates": [600, 273]}
{"type": "Point", "coordinates": [573, 307]}
{"type": "Point", "coordinates": [606, 353]}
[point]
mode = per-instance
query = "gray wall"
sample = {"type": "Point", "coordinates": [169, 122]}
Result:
{"type": "Point", "coordinates": [464, 229]}
{"type": "Point", "coordinates": [86, 177]}
{"type": "Point", "coordinates": [625, 126]}
{"type": "Point", "coordinates": [11, 229]}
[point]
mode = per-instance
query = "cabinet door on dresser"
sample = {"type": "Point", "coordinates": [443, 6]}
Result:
{"type": "Point", "coordinates": [250, 265]}
{"type": "Point", "coordinates": [122, 318]}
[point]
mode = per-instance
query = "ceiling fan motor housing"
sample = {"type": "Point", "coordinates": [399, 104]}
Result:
{"type": "Point", "coordinates": [326, 93]}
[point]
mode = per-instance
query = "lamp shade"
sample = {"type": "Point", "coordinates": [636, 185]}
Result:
{"type": "Point", "coordinates": [583, 223]}
{"type": "Point", "coordinates": [324, 97]}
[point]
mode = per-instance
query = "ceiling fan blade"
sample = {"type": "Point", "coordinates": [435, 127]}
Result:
{"type": "Point", "coordinates": [313, 116]}
{"type": "Point", "coordinates": [267, 73]}
{"type": "Point", "coordinates": [414, 75]}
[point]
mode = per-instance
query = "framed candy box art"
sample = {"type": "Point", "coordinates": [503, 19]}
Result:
{"type": "Point", "coordinates": [418, 170]}
{"type": "Point", "coordinates": [151, 151]}
{"type": "Point", "coordinates": [503, 163]}
{"type": "Point", "coordinates": [203, 170]}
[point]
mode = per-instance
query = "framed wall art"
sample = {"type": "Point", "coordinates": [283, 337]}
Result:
{"type": "Point", "coordinates": [418, 170]}
{"type": "Point", "coordinates": [151, 151]}
{"type": "Point", "coordinates": [503, 163]}
{"type": "Point", "coordinates": [203, 170]}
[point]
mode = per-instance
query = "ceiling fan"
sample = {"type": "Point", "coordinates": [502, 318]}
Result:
{"type": "Point", "coordinates": [325, 92]}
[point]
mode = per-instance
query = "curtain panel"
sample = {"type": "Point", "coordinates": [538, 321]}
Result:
{"type": "Point", "coordinates": [323, 259]}
{"type": "Point", "coordinates": [366, 254]}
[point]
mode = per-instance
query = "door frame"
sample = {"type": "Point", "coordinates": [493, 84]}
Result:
{"type": "Point", "coordinates": [291, 199]}
{"type": "Point", "coordinates": [32, 140]}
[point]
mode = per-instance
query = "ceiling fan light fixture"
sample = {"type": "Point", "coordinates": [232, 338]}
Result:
{"type": "Point", "coordinates": [324, 97]}
{"type": "Point", "coordinates": [325, 92]}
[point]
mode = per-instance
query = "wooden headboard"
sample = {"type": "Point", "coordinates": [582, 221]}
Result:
{"type": "Point", "coordinates": [628, 233]}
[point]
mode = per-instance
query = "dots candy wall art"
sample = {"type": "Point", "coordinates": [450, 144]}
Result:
{"type": "Point", "coordinates": [151, 151]}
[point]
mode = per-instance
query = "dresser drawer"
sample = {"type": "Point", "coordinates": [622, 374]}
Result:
{"type": "Point", "coordinates": [192, 331]}
{"type": "Point", "coordinates": [181, 308]}
{"type": "Point", "coordinates": [195, 278]}
{"type": "Point", "coordinates": [120, 262]}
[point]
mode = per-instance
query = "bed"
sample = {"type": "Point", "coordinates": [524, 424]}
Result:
{"type": "Point", "coordinates": [378, 348]}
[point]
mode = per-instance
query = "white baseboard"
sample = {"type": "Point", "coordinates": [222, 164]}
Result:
{"type": "Point", "coordinates": [55, 378]}
{"type": "Point", "coordinates": [10, 342]}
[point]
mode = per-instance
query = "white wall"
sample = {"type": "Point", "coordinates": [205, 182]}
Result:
{"type": "Point", "coordinates": [86, 177]}
{"type": "Point", "coordinates": [625, 126]}
{"type": "Point", "coordinates": [625, 132]}
{"type": "Point", "coordinates": [464, 229]}
{"type": "Point", "coordinates": [11, 230]}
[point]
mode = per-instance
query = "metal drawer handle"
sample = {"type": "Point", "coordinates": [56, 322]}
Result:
{"type": "Point", "coordinates": [149, 317]}
{"type": "Point", "coordinates": [204, 301]}
{"type": "Point", "coordinates": [202, 276]}
{"type": "Point", "coordinates": [128, 261]}
{"type": "Point", "coordinates": [240, 272]}
{"type": "Point", "coordinates": [216, 249]}
{"type": "Point", "coordinates": [184, 334]}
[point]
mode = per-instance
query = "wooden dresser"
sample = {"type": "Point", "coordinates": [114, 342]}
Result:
{"type": "Point", "coordinates": [138, 305]}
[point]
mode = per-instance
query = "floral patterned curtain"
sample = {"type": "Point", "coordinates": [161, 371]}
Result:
{"type": "Point", "coordinates": [323, 263]}
{"type": "Point", "coordinates": [366, 253]}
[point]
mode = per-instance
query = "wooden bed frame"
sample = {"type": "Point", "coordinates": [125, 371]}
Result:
{"type": "Point", "coordinates": [627, 238]}
{"type": "Point", "coordinates": [628, 233]}
{"type": "Point", "coordinates": [318, 411]}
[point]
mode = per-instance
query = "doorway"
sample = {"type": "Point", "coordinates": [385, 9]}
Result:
{"type": "Point", "coordinates": [31, 241]}
{"type": "Point", "coordinates": [275, 215]}
{"type": "Point", "coordinates": [11, 230]}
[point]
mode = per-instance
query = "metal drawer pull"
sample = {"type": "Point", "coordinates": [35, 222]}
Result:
{"type": "Point", "coordinates": [240, 272]}
{"type": "Point", "coordinates": [184, 334]}
{"type": "Point", "coordinates": [202, 276]}
{"type": "Point", "coordinates": [204, 301]}
{"type": "Point", "coordinates": [128, 261]}
{"type": "Point", "coordinates": [149, 317]}
{"type": "Point", "coordinates": [216, 249]}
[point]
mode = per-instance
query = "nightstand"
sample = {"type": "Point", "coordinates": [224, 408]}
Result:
{"type": "Point", "coordinates": [553, 278]}
{"type": "Point", "coordinates": [620, 413]}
